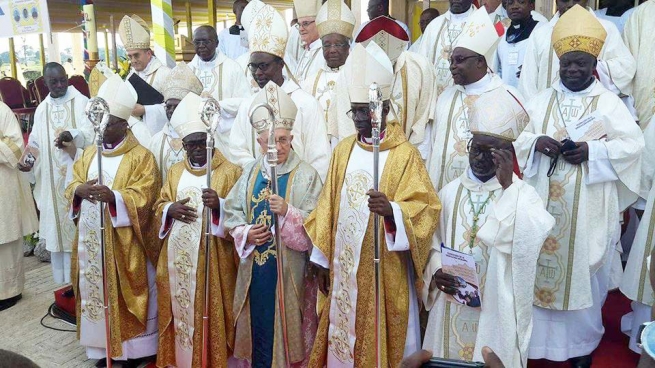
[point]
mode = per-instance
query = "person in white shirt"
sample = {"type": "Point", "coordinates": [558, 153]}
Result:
{"type": "Point", "coordinates": [311, 56]}
{"type": "Point", "coordinates": [135, 35]}
{"type": "Point", "coordinates": [233, 42]}
{"type": "Point", "coordinates": [427, 16]}
{"type": "Point", "coordinates": [511, 48]}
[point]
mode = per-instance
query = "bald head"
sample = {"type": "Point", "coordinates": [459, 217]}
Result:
{"type": "Point", "coordinates": [427, 16]}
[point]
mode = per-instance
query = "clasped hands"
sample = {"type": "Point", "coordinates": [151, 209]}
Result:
{"type": "Point", "coordinates": [551, 148]}
{"type": "Point", "coordinates": [260, 234]}
{"type": "Point", "coordinates": [187, 214]}
{"type": "Point", "coordinates": [93, 193]}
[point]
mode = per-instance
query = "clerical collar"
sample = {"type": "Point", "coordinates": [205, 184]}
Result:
{"type": "Point", "coordinates": [109, 148]}
{"type": "Point", "coordinates": [369, 141]}
{"type": "Point", "coordinates": [474, 178]}
{"type": "Point", "coordinates": [208, 64]}
{"type": "Point", "coordinates": [585, 91]}
{"type": "Point", "coordinates": [521, 30]}
{"type": "Point", "coordinates": [459, 18]}
{"type": "Point", "coordinates": [479, 87]}
{"type": "Point", "coordinates": [62, 99]}
{"type": "Point", "coordinates": [146, 70]}
{"type": "Point", "coordinates": [196, 166]}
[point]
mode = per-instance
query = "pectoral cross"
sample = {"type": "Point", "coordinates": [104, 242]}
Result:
{"type": "Point", "coordinates": [571, 110]}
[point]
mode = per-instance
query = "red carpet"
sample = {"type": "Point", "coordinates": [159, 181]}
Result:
{"type": "Point", "coordinates": [613, 350]}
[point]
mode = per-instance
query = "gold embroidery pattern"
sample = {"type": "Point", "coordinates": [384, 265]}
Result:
{"type": "Point", "coordinates": [265, 218]}
{"type": "Point", "coordinates": [353, 222]}
{"type": "Point", "coordinates": [186, 238]}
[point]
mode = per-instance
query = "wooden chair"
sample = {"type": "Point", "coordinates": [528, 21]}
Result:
{"type": "Point", "coordinates": [80, 84]}
{"type": "Point", "coordinates": [13, 95]}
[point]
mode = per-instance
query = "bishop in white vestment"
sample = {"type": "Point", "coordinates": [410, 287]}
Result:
{"type": "Point", "coordinates": [335, 23]}
{"type": "Point", "coordinates": [616, 66]}
{"type": "Point", "coordinates": [439, 41]}
{"type": "Point", "coordinates": [585, 185]}
{"type": "Point", "coordinates": [222, 79]}
{"type": "Point", "coordinates": [166, 145]}
{"type": "Point", "coordinates": [135, 35]}
{"type": "Point", "coordinates": [267, 40]}
{"type": "Point", "coordinates": [18, 217]}
{"type": "Point", "coordinates": [638, 35]}
{"type": "Point", "coordinates": [311, 58]}
{"type": "Point", "coordinates": [62, 111]}
{"type": "Point", "coordinates": [451, 130]}
{"type": "Point", "coordinates": [489, 213]}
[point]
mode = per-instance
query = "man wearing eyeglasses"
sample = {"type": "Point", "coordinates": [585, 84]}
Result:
{"type": "Point", "coordinates": [222, 78]}
{"type": "Point", "coordinates": [342, 231]}
{"type": "Point", "coordinates": [267, 32]}
{"type": "Point", "coordinates": [249, 211]}
{"type": "Point", "coordinates": [469, 66]}
{"type": "Point", "coordinates": [311, 59]}
{"type": "Point", "coordinates": [335, 23]}
{"type": "Point", "coordinates": [181, 269]}
{"type": "Point", "coordinates": [582, 152]}
{"type": "Point", "coordinates": [499, 221]}
{"type": "Point", "coordinates": [135, 35]}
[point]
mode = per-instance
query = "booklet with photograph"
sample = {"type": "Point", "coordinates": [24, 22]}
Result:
{"type": "Point", "coordinates": [588, 128]}
{"type": "Point", "coordinates": [30, 154]}
{"type": "Point", "coordinates": [462, 266]}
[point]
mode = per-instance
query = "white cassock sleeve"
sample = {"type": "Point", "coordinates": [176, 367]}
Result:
{"type": "Point", "coordinates": [240, 236]}
{"type": "Point", "coordinates": [155, 118]}
{"type": "Point", "coordinates": [599, 165]}
{"type": "Point", "coordinates": [241, 137]}
{"type": "Point", "coordinates": [217, 224]}
{"type": "Point", "coordinates": [165, 225]}
{"type": "Point", "coordinates": [120, 218]}
{"type": "Point", "coordinates": [397, 242]}
{"type": "Point", "coordinates": [319, 258]}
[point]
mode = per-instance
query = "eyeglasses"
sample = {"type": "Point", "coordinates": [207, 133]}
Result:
{"type": "Point", "coordinates": [477, 150]}
{"type": "Point", "coordinates": [363, 113]}
{"type": "Point", "coordinates": [194, 144]}
{"type": "Point", "coordinates": [261, 66]}
{"type": "Point", "coordinates": [336, 45]}
{"type": "Point", "coordinates": [284, 141]}
{"type": "Point", "coordinates": [304, 24]}
{"type": "Point", "coordinates": [461, 59]}
{"type": "Point", "coordinates": [202, 42]}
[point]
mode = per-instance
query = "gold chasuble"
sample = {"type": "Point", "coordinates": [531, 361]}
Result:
{"type": "Point", "coordinates": [128, 248]}
{"type": "Point", "coordinates": [405, 182]}
{"type": "Point", "coordinates": [223, 271]}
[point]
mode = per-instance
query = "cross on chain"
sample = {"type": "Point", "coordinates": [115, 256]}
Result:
{"type": "Point", "coordinates": [478, 205]}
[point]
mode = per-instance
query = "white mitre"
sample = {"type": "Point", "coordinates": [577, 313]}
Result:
{"type": "Point", "coordinates": [480, 35]}
{"type": "Point", "coordinates": [186, 118]}
{"type": "Point", "coordinates": [335, 17]}
{"type": "Point", "coordinates": [119, 95]}
{"type": "Point", "coordinates": [267, 30]}
{"type": "Point", "coordinates": [306, 8]}
{"type": "Point", "coordinates": [134, 33]}
{"type": "Point", "coordinates": [499, 114]}
{"type": "Point", "coordinates": [365, 66]}
{"type": "Point", "coordinates": [284, 109]}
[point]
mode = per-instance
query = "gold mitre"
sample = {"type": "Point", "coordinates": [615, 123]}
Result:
{"type": "Point", "coordinates": [134, 33]}
{"type": "Point", "coordinates": [499, 114]}
{"type": "Point", "coordinates": [365, 66]}
{"type": "Point", "coordinates": [186, 118]}
{"type": "Point", "coordinates": [306, 8]}
{"type": "Point", "coordinates": [578, 30]}
{"type": "Point", "coordinates": [284, 109]}
{"type": "Point", "coordinates": [266, 29]}
{"type": "Point", "coordinates": [181, 81]}
{"type": "Point", "coordinates": [480, 35]}
{"type": "Point", "coordinates": [335, 17]}
{"type": "Point", "coordinates": [119, 95]}
{"type": "Point", "coordinates": [386, 33]}
{"type": "Point", "coordinates": [96, 79]}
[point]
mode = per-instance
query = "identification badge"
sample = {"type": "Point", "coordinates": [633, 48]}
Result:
{"type": "Point", "coordinates": [513, 58]}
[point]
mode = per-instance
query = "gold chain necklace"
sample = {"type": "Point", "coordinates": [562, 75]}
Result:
{"type": "Point", "coordinates": [476, 217]}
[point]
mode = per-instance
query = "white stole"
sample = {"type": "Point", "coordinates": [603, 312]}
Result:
{"type": "Point", "coordinates": [92, 329]}
{"type": "Point", "coordinates": [183, 247]}
{"type": "Point", "coordinates": [351, 229]}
